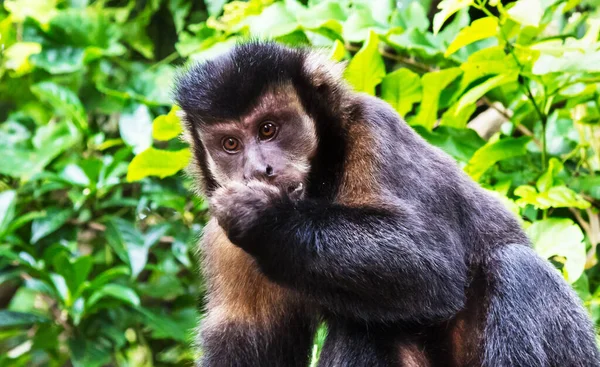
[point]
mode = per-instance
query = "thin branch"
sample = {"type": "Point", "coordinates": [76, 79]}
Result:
{"type": "Point", "coordinates": [582, 222]}
{"type": "Point", "coordinates": [409, 62]}
{"type": "Point", "coordinates": [406, 61]}
{"type": "Point", "coordinates": [523, 129]}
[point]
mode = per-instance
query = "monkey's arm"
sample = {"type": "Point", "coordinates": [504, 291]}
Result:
{"type": "Point", "coordinates": [361, 262]}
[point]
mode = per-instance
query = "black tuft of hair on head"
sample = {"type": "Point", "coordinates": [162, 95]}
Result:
{"type": "Point", "coordinates": [229, 85]}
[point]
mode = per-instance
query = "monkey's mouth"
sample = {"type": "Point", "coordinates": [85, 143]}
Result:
{"type": "Point", "coordinates": [296, 191]}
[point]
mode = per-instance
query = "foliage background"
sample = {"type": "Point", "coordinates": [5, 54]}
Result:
{"type": "Point", "coordinates": [98, 227]}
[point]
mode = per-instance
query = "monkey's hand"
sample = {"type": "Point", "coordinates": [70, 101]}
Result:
{"type": "Point", "coordinates": [238, 206]}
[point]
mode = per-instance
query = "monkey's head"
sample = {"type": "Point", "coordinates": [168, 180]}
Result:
{"type": "Point", "coordinates": [260, 112]}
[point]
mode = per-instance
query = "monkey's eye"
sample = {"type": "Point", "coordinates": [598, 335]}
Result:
{"type": "Point", "coordinates": [231, 145]}
{"type": "Point", "coordinates": [267, 130]}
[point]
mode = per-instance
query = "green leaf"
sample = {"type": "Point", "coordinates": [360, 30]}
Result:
{"type": "Point", "coordinates": [401, 89]}
{"type": "Point", "coordinates": [62, 290]}
{"type": "Point", "coordinates": [85, 352]}
{"type": "Point", "coordinates": [366, 69]}
{"type": "Point", "coordinates": [461, 20]}
{"type": "Point", "coordinates": [555, 197]}
{"type": "Point", "coordinates": [153, 85]}
{"type": "Point", "coordinates": [327, 14]}
{"type": "Point", "coordinates": [433, 83]}
{"type": "Point", "coordinates": [478, 30]}
{"type": "Point", "coordinates": [459, 143]}
{"type": "Point", "coordinates": [586, 113]}
{"type": "Point", "coordinates": [412, 16]}
{"type": "Point", "coordinates": [75, 175]}
{"type": "Point", "coordinates": [63, 100]}
{"type": "Point", "coordinates": [59, 59]}
{"type": "Point", "coordinates": [489, 61]}
{"type": "Point", "coordinates": [560, 237]}
{"type": "Point", "coordinates": [494, 152]}
{"type": "Point", "coordinates": [8, 202]}
{"type": "Point", "coordinates": [447, 8]}
{"type": "Point", "coordinates": [589, 185]}
{"type": "Point", "coordinates": [136, 128]}
{"type": "Point", "coordinates": [16, 57]}
{"type": "Point", "coordinates": [165, 325]}
{"type": "Point", "coordinates": [527, 12]}
{"type": "Point", "coordinates": [90, 28]}
{"type": "Point", "coordinates": [179, 10]}
{"type": "Point", "coordinates": [40, 10]}
{"type": "Point", "coordinates": [338, 51]}
{"type": "Point", "coordinates": [75, 272]}
{"type": "Point", "coordinates": [380, 9]}
{"type": "Point", "coordinates": [473, 95]}
{"type": "Point", "coordinates": [108, 276]}
{"type": "Point", "coordinates": [12, 319]}
{"type": "Point", "coordinates": [166, 127]}
{"type": "Point", "coordinates": [420, 44]}
{"type": "Point", "coordinates": [215, 7]}
{"type": "Point", "coordinates": [454, 118]}
{"type": "Point", "coordinates": [155, 162]}
{"type": "Point", "coordinates": [274, 21]}
{"type": "Point", "coordinates": [77, 310]}
{"type": "Point", "coordinates": [128, 242]}
{"type": "Point", "coordinates": [360, 24]}
{"type": "Point", "coordinates": [546, 180]}
{"type": "Point", "coordinates": [54, 219]}
{"type": "Point", "coordinates": [569, 62]}
{"type": "Point", "coordinates": [117, 291]}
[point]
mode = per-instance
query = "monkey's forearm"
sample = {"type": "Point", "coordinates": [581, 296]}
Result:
{"type": "Point", "coordinates": [359, 260]}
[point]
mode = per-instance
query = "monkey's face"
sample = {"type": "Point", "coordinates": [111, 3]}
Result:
{"type": "Point", "coordinates": [274, 143]}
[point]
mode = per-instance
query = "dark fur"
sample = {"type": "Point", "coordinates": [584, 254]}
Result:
{"type": "Point", "coordinates": [424, 269]}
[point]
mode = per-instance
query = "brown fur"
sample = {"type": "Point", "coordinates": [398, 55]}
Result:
{"type": "Point", "coordinates": [412, 355]}
{"type": "Point", "coordinates": [360, 184]}
{"type": "Point", "coordinates": [238, 292]}
{"type": "Point", "coordinates": [466, 329]}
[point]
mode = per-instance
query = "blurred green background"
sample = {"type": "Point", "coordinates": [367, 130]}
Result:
{"type": "Point", "coordinates": [98, 225]}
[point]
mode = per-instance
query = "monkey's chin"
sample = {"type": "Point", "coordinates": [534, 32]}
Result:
{"type": "Point", "coordinates": [296, 191]}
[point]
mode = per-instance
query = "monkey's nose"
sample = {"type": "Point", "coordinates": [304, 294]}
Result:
{"type": "Point", "coordinates": [258, 172]}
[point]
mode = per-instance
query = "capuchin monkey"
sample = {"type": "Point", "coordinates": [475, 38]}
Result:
{"type": "Point", "coordinates": [327, 207]}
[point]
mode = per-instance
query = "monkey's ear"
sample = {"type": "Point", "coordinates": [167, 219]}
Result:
{"type": "Point", "coordinates": [322, 70]}
{"type": "Point", "coordinates": [186, 135]}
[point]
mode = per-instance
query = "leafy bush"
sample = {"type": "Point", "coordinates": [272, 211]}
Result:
{"type": "Point", "coordinates": [97, 228]}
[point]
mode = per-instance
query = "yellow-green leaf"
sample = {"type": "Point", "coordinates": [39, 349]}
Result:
{"type": "Point", "coordinates": [527, 12]}
{"type": "Point", "coordinates": [16, 57]}
{"type": "Point", "coordinates": [560, 237]}
{"type": "Point", "coordinates": [166, 127]}
{"type": "Point", "coordinates": [546, 180]}
{"type": "Point", "coordinates": [338, 51]}
{"type": "Point", "coordinates": [489, 154]}
{"type": "Point", "coordinates": [480, 29]}
{"type": "Point", "coordinates": [401, 89]}
{"type": "Point", "coordinates": [366, 69]}
{"type": "Point", "coordinates": [155, 162]}
{"type": "Point", "coordinates": [555, 197]}
{"type": "Point", "coordinates": [479, 91]}
{"type": "Point", "coordinates": [447, 8]}
{"type": "Point", "coordinates": [40, 10]}
{"type": "Point", "coordinates": [489, 61]}
{"type": "Point", "coordinates": [457, 119]}
{"type": "Point", "coordinates": [433, 83]}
